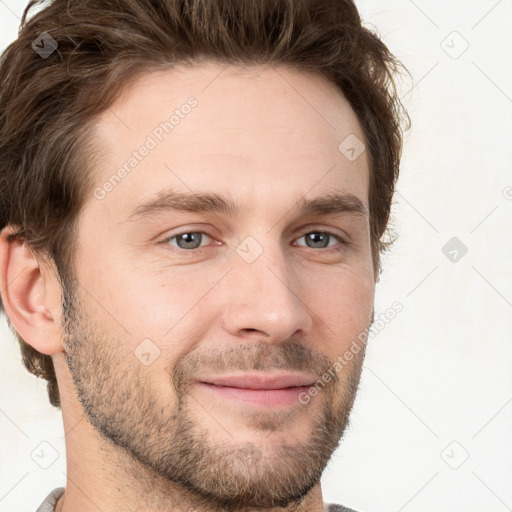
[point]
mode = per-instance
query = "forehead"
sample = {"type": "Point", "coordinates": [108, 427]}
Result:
{"type": "Point", "coordinates": [211, 126]}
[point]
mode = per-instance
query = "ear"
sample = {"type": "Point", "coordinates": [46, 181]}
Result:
{"type": "Point", "coordinates": [31, 294]}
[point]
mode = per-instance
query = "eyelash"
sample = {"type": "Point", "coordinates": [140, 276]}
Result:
{"type": "Point", "coordinates": [342, 242]}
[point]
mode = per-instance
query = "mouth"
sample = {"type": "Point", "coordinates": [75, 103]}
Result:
{"type": "Point", "coordinates": [261, 389]}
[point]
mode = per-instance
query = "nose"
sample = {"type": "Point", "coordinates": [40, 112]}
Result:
{"type": "Point", "coordinates": [266, 299]}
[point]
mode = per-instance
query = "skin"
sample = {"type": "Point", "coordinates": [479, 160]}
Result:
{"type": "Point", "coordinates": [148, 437]}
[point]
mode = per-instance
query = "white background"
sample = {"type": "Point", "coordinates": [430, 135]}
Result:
{"type": "Point", "coordinates": [437, 381]}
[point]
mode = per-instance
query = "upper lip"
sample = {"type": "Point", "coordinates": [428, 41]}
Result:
{"type": "Point", "coordinates": [261, 380]}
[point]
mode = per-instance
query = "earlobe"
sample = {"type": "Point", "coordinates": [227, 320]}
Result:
{"type": "Point", "coordinates": [28, 295]}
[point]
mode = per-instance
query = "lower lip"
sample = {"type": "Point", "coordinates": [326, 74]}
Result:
{"type": "Point", "coordinates": [262, 397]}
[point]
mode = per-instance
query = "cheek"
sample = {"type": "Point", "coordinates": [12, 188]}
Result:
{"type": "Point", "coordinates": [163, 304]}
{"type": "Point", "coordinates": [345, 304]}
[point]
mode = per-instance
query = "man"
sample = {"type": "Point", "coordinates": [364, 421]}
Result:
{"type": "Point", "coordinates": [194, 195]}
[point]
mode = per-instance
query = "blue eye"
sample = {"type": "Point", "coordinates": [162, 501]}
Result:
{"type": "Point", "coordinates": [189, 240]}
{"type": "Point", "coordinates": [320, 239]}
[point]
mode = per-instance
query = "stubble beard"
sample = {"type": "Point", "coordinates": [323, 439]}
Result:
{"type": "Point", "coordinates": [173, 446]}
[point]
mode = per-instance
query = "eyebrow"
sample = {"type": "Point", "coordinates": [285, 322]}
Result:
{"type": "Point", "coordinates": [209, 202]}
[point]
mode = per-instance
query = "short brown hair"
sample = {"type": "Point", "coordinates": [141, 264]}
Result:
{"type": "Point", "coordinates": [48, 102]}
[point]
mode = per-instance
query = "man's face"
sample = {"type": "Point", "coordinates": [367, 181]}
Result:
{"type": "Point", "coordinates": [171, 302]}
